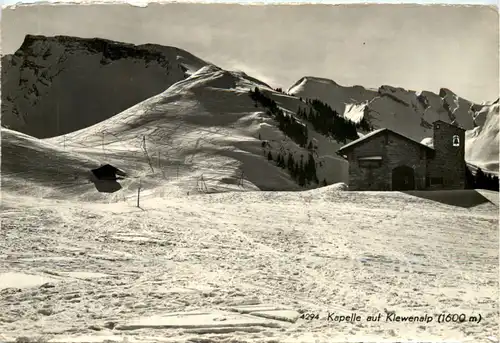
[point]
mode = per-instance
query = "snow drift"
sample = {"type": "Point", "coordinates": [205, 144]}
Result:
{"type": "Point", "coordinates": [39, 168]}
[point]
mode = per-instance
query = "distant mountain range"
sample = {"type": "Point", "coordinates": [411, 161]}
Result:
{"type": "Point", "coordinates": [412, 113]}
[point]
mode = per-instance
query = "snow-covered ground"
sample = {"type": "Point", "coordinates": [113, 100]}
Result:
{"type": "Point", "coordinates": [243, 267]}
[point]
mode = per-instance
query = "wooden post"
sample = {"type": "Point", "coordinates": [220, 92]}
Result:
{"type": "Point", "coordinates": [241, 179]}
{"type": "Point", "coordinates": [146, 153]}
{"type": "Point", "coordinates": [58, 123]}
{"type": "Point", "coordinates": [139, 193]}
{"type": "Point", "coordinates": [203, 184]}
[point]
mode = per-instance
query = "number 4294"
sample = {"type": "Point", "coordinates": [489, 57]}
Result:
{"type": "Point", "coordinates": [309, 316]}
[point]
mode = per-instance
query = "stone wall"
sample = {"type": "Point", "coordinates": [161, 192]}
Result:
{"type": "Point", "coordinates": [364, 179]}
{"type": "Point", "coordinates": [395, 151]}
{"type": "Point", "coordinates": [401, 152]}
{"type": "Point", "coordinates": [449, 161]}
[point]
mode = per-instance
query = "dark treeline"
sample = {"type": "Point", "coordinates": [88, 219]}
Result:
{"type": "Point", "coordinates": [303, 172]}
{"type": "Point", "coordinates": [328, 122]}
{"type": "Point", "coordinates": [481, 180]}
{"type": "Point", "coordinates": [287, 124]}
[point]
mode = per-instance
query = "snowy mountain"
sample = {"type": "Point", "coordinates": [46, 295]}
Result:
{"type": "Point", "coordinates": [177, 124]}
{"type": "Point", "coordinates": [411, 113]}
{"type": "Point", "coordinates": [203, 133]}
{"type": "Point", "coordinates": [481, 144]}
{"type": "Point", "coordinates": [56, 85]}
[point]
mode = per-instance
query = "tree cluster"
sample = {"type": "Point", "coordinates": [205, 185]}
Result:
{"type": "Point", "coordinates": [303, 172]}
{"type": "Point", "coordinates": [481, 180]}
{"type": "Point", "coordinates": [328, 122]}
{"type": "Point", "coordinates": [287, 124]}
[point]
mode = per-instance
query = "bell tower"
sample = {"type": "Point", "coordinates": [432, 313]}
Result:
{"type": "Point", "coordinates": [447, 169]}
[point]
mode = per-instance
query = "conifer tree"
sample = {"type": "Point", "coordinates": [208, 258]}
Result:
{"type": "Point", "coordinates": [290, 162]}
{"type": "Point", "coordinates": [310, 146]}
{"type": "Point", "coordinates": [495, 186]}
{"type": "Point", "coordinates": [311, 169]}
{"type": "Point", "coordinates": [479, 179]}
{"type": "Point", "coordinates": [296, 169]}
{"type": "Point", "coordinates": [301, 177]}
{"type": "Point", "coordinates": [281, 161]}
{"type": "Point", "coordinates": [469, 178]}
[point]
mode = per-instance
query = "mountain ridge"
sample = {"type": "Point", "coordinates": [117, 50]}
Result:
{"type": "Point", "coordinates": [411, 112]}
{"type": "Point", "coordinates": [57, 74]}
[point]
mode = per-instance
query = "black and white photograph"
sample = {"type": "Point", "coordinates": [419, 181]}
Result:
{"type": "Point", "coordinates": [229, 173]}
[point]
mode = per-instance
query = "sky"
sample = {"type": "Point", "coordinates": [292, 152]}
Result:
{"type": "Point", "coordinates": [410, 46]}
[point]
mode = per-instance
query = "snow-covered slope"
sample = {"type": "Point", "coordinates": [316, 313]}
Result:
{"type": "Point", "coordinates": [330, 92]}
{"type": "Point", "coordinates": [204, 133]}
{"type": "Point", "coordinates": [408, 112]}
{"type": "Point", "coordinates": [56, 85]}
{"type": "Point", "coordinates": [39, 168]}
{"type": "Point", "coordinates": [481, 144]}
